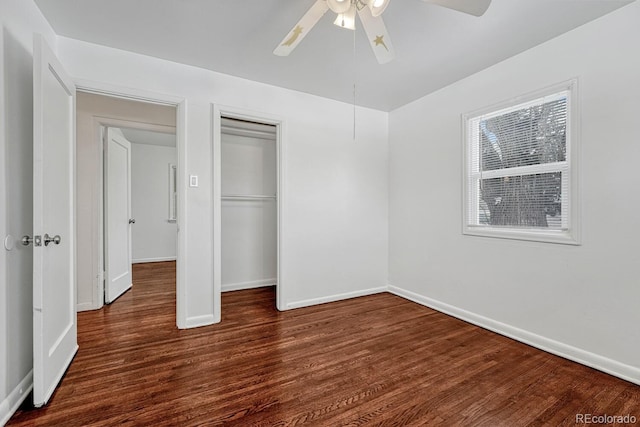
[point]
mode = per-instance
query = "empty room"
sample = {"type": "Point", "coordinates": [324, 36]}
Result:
{"type": "Point", "coordinates": [319, 212]}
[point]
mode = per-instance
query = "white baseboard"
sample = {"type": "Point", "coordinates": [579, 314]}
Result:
{"type": "Point", "coordinates": [337, 297]}
{"type": "Point", "coordinates": [596, 361]}
{"type": "Point", "coordinates": [85, 306]}
{"type": "Point", "coordinates": [197, 321]}
{"type": "Point", "coordinates": [248, 285]}
{"type": "Point", "coordinates": [160, 259]}
{"type": "Point", "coordinates": [9, 405]}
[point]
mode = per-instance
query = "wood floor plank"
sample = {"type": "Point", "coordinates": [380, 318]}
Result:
{"type": "Point", "coordinates": [376, 360]}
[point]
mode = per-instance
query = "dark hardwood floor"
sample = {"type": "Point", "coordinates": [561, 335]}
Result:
{"type": "Point", "coordinates": [376, 360]}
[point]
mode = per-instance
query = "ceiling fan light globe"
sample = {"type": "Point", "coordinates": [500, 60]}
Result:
{"type": "Point", "coordinates": [346, 20]}
{"type": "Point", "coordinates": [339, 6]}
{"type": "Point", "coordinates": [378, 6]}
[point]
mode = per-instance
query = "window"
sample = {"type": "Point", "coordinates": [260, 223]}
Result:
{"type": "Point", "coordinates": [520, 174]}
{"type": "Point", "coordinates": [173, 193]}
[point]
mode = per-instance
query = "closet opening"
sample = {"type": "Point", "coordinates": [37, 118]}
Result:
{"type": "Point", "coordinates": [249, 204]}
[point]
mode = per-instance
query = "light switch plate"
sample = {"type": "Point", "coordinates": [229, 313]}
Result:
{"type": "Point", "coordinates": [193, 180]}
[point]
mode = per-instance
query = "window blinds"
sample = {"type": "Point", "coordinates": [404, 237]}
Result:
{"type": "Point", "coordinates": [518, 170]}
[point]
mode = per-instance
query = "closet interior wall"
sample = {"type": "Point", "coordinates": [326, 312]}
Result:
{"type": "Point", "coordinates": [249, 204]}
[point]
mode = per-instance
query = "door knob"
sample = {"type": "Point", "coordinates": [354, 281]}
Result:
{"type": "Point", "coordinates": [132, 221]}
{"type": "Point", "coordinates": [48, 239]}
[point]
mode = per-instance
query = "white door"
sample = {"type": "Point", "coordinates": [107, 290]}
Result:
{"type": "Point", "coordinates": [118, 221]}
{"type": "Point", "coordinates": [54, 288]}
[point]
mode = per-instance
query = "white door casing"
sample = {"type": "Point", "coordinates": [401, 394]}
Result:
{"type": "Point", "coordinates": [180, 104]}
{"type": "Point", "coordinates": [117, 155]}
{"type": "Point", "coordinates": [54, 287]}
{"type": "Point", "coordinates": [218, 112]}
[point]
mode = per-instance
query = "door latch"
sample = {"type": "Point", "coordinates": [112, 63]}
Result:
{"type": "Point", "coordinates": [27, 240]}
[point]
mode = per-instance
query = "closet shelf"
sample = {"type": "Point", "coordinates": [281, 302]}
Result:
{"type": "Point", "coordinates": [247, 197]}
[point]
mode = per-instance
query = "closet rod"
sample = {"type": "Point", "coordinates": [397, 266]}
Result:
{"type": "Point", "coordinates": [246, 197]}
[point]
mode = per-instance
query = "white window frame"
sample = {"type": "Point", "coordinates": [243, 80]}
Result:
{"type": "Point", "coordinates": [173, 193]}
{"type": "Point", "coordinates": [570, 232]}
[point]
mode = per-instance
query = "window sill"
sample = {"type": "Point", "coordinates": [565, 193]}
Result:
{"type": "Point", "coordinates": [559, 237]}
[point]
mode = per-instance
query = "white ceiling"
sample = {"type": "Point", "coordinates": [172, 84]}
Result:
{"type": "Point", "coordinates": [434, 46]}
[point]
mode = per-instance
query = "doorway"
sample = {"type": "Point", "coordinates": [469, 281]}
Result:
{"type": "Point", "coordinates": [141, 121]}
{"type": "Point", "coordinates": [139, 199]}
{"type": "Point", "coordinates": [249, 205]}
{"type": "Point", "coordinates": [247, 149]}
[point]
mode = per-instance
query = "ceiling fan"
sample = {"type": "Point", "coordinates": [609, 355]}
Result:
{"type": "Point", "coordinates": [370, 12]}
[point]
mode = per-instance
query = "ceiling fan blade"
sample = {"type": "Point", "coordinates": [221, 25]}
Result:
{"type": "Point", "coordinates": [472, 7]}
{"type": "Point", "coordinates": [300, 30]}
{"type": "Point", "coordinates": [378, 36]}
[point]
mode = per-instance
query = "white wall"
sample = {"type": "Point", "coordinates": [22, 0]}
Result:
{"type": "Point", "coordinates": [4, 405]}
{"type": "Point", "coordinates": [334, 244]}
{"type": "Point", "coordinates": [18, 20]}
{"type": "Point", "coordinates": [153, 237]}
{"type": "Point", "coordinates": [583, 302]}
{"type": "Point", "coordinates": [91, 110]}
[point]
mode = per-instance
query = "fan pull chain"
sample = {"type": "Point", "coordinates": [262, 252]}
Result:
{"type": "Point", "coordinates": [355, 75]}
